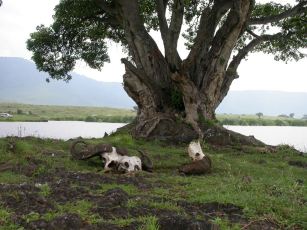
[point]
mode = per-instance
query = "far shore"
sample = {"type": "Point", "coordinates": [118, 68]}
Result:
{"type": "Point", "coordinates": [45, 113]}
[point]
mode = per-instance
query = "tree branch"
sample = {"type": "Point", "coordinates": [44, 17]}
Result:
{"type": "Point", "coordinates": [249, 47]}
{"type": "Point", "coordinates": [208, 23]}
{"type": "Point", "coordinates": [231, 72]}
{"type": "Point", "coordinates": [105, 6]}
{"type": "Point", "coordinates": [299, 8]}
{"type": "Point", "coordinates": [252, 33]}
{"type": "Point", "coordinates": [224, 41]}
{"type": "Point", "coordinates": [176, 22]}
{"type": "Point", "coordinates": [170, 34]}
{"type": "Point", "coordinates": [160, 8]}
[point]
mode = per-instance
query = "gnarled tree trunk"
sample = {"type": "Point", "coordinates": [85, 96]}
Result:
{"type": "Point", "coordinates": [176, 96]}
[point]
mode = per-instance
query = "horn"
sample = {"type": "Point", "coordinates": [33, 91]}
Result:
{"type": "Point", "coordinates": [147, 164]}
{"type": "Point", "coordinates": [75, 154]}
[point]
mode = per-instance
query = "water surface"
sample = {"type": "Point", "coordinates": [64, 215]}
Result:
{"type": "Point", "coordinates": [273, 135]}
{"type": "Point", "coordinates": [58, 129]}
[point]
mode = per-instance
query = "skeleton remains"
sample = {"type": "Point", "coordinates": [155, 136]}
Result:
{"type": "Point", "coordinates": [115, 159]}
{"type": "Point", "coordinates": [201, 163]}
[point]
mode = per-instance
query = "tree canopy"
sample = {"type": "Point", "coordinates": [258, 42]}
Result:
{"type": "Point", "coordinates": [165, 86]}
{"type": "Point", "coordinates": [82, 28]}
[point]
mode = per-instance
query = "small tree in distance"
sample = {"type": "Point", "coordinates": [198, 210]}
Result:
{"type": "Point", "coordinates": [291, 115]}
{"type": "Point", "coordinates": [259, 115]}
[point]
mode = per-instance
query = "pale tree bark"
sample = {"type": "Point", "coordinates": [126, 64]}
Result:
{"type": "Point", "coordinates": [202, 79]}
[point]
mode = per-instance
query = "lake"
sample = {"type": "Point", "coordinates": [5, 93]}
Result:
{"type": "Point", "coordinates": [58, 129]}
{"type": "Point", "coordinates": [273, 135]}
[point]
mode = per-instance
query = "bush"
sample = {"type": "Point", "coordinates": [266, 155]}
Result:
{"type": "Point", "coordinates": [90, 119]}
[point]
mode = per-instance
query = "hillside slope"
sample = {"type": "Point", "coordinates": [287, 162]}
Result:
{"type": "Point", "coordinates": [21, 82]}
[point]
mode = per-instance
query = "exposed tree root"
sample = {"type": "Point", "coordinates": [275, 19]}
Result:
{"type": "Point", "coordinates": [176, 131]}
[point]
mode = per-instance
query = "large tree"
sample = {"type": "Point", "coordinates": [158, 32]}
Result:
{"type": "Point", "coordinates": [176, 96]}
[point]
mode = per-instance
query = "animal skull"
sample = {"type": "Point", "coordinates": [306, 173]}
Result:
{"type": "Point", "coordinates": [195, 151]}
{"type": "Point", "coordinates": [117, 162]}
{"type": "Point", "coordinates": [129, 164]}
{"type": "Point", "coordinates": [111, 159]}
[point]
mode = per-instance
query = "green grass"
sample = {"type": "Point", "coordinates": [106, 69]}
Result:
{"type": "Point", "coordinates": [24, 112]}
{"type": "Point", "coordinates": [253, 120]}
{"type": "Point", "coordinates": [273, 190]}
{"type": "Point", "coordinates": [149, 223]}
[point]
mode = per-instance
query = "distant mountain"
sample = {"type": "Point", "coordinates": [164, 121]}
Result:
{"type": "Point", "coordinates": [266, 102]}
{"type": "Point", "coordinates": [21, 82]}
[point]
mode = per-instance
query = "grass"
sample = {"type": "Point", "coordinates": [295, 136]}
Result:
{"type": "Point", "coordinates": [253, 120]}
{"type": "Point", "coordinates": [274, 189]}
{"type": "Point", "coordinates": [24, 112]}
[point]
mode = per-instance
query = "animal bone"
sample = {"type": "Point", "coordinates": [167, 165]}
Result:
{"type": "Point", "coordinates": [88, 151]}
{"type": "Point", "coordinates": [115, 159]}
{"type": "Point", "coordinates": [128, 164]}
{"type": "Point", "coordinates": [147, 164]}
{"type": "Point", "coordinates": [111, 159]}
{"type": "Point", "coordinates": [195, 151]}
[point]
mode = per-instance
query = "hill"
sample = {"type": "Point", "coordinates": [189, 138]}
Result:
{"type": "Point", "coordinates": [268, 102]}
{"type": "Point", "coordinates": [21, 82]}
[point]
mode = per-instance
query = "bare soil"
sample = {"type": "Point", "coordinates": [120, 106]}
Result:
{"type": "Point", "coordinates": [66, 186]}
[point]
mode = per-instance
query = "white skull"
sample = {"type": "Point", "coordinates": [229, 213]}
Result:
{"type": "Point", "coordinates": [111, 159]}
{"type": "Point", "coordinates": [115, 161]}
{"type": "Point", "coordinates": [129, 164]}
{"type": "Point", "coordinates": [195, 151]}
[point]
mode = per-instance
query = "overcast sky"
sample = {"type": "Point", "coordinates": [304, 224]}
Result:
{"type": "Point", "coordinates": [18, 18]}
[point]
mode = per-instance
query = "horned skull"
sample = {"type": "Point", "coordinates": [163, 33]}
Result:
{"type": "Point", "coordinates": [116, 162]}
{"type": "Point", "coordinates": [129, 164]}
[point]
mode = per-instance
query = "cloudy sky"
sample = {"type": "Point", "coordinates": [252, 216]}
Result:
{"type": "Point", "coordinates": [18, 18]}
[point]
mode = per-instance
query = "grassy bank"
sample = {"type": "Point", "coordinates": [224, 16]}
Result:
{"type": "Point", "coordinates": [244, 120]}
{"type": "Point", "coordinates": [40, 185]}
{"type": "Point", "coordinates": [23, 112]}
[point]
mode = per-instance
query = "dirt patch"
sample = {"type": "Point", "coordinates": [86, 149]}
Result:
{"type": "Point", "coordinates": [30, 167]}
{"type": "Point", "coordinates": [68, 221]}
{"type": "Point", "coordinates": [23, 199]}
{"type": "Point", "coordinates": [212, 210]}
{"type": "Point", "coordinates": [173, 221]}
{"type": "Point", "coordinates": [64, 186]}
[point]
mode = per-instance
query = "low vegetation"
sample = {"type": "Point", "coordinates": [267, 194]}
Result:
{"type": "Point", "coordinates": [40, 185]}
{"type": "Point", "coordinates": [23, 112]}
{"type": "Point", "coordinates": [262, 120]}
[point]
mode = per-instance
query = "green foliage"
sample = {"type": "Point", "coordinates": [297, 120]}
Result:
{"type": "Point", "coordinates": [69, 113]}
{"type": "Point", "coordinates": [81, 29]}
{"type": "Point", "coordinates": [149, 223]}
{"type": "Point", "coordinates": [77, 33]}
{"type": "Point", "coordinates": [245, 120]}
{"type": "Point", "coordinates": [292, 35]}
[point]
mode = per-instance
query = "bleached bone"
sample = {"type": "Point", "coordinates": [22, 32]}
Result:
{"type": "Point", "coordinates": [117, 162]}
{"type": "Point", "coordinates": [195, 151]}
{"type": "Point", "coordinates": [129, 164]}
{"type": "Point", "coordinates": [111, 159]}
